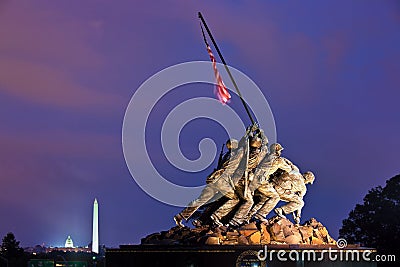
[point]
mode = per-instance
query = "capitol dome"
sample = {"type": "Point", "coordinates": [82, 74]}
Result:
{"type": "Point", "coordinates": [69, 243]}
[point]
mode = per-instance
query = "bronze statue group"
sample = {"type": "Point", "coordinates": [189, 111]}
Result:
{"type": "Point", "coordinates": [252, 177]}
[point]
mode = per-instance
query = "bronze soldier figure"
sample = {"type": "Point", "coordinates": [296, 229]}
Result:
{"type": "Point", "coordinates": [258, 150]}
{"type": "Point", "coordinates": [220, 181]}
{"type": "Point", "coordinates": [268, 195]}
{"type": "Point", "coordinates": [291, 188]}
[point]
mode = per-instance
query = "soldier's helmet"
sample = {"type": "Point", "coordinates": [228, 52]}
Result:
{"type": "Point", "coordinates": [309, 177]}
{"type": "Point", "coordinates": [232, 143]}
{"type": "Point", "coordinates": [255, 142]}
{"type": "Point", "coordinates": [276, 147]}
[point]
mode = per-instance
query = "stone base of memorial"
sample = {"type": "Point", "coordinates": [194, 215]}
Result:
{"type": "Point", "coordinates": [277, 243]}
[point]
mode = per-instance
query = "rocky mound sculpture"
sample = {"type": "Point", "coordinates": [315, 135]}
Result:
{"type": "Point", "coordinates": [276, 231]}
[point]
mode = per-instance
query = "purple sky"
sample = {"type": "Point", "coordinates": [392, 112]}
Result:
{"type": "Point", "coordinates": [330, 71]}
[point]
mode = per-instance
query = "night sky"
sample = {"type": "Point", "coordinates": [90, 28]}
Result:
{"type": "Point", "coordinates": [330, 71]}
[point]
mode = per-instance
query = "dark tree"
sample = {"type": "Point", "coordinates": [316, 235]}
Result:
{"type": "Point", "coordinates": [376, 222]}
{"type": "Point", "coordinates": [10, 247]}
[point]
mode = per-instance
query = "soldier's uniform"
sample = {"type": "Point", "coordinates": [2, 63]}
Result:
{"type": "Point", "coordinates": [267, 193]}
{"type": "Point", "coordinates": [231, 145]}
{"type": "Point", "coordinates": [219, 181]}
{"type": "Point", "coordinates": [291, 188]}
{"type": "Point", "coordinates": [255, 156]}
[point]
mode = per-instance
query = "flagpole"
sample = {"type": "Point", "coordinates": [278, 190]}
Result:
{"type": "Point", "coordinates": [226, 67]}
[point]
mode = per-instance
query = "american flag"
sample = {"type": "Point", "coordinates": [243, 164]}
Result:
{"type": "Point", "coordinates": [221, 91]}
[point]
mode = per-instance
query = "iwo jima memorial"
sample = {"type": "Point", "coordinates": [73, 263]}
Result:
{"type": "Point", "coordinates": [236, 218]}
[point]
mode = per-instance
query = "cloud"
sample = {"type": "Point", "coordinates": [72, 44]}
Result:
{"type": "Point", "coordinates": [52, 165]}
{"type": "Point", "coordinates": [42, 84]}
{"type": "Point", "coordinates": [336, 45]}
{"type": "Point", "coordinates": [45, 55]}
{"type": "Point", "coordinates": [45, 35]}
{"type": "Point", "coordinates": [58, 144]}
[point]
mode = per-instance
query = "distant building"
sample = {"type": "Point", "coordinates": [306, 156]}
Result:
{"type": "Point", "coordinates": [36, 249]}
{"type": "Point", "coordinates": [69, 247]}
{"type": "Point", "coordinates": [75, 249]}
{"type": "Point", "coordinates": [69, 243]}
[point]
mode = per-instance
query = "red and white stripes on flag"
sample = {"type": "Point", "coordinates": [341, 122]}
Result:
{"type": "Point", "coordinates": [221, 91]}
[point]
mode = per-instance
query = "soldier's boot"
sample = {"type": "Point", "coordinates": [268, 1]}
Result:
{"type": "Point", "coordinates": [247, 220]}
{"type": "Point", "coordinates": [216, 220]}
{"type": "Point", "coordinates": [296, 218]}
{"type": "Point", "coordinates": [249, 217]}
{"type": "Point", "coordinates": [233, 224]}
{"type": "Point", "coordinates": [178, 218]}
{"type": "Point", "coordinates": [261, 218]}
{"type": "Point", "coordinates": [197, 223]}
{"type": "Point", "coordinates": [280, 213]}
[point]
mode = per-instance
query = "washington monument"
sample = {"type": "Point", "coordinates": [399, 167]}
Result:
{"type": "Point", "coordinates": [95, 237]}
